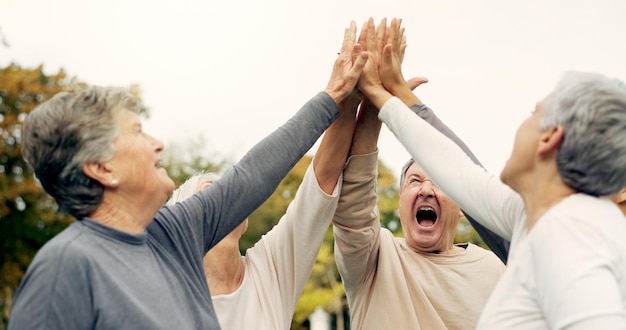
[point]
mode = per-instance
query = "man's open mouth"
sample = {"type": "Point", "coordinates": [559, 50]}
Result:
{"type": "Point", "coordinates": [426, 216]}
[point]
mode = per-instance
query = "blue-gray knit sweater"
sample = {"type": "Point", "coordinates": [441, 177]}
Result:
{"type": "Point", "coordinates": [91, 276]}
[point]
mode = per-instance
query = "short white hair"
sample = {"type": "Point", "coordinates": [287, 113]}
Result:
{"type": "Point", "coordinates": [191, 186]}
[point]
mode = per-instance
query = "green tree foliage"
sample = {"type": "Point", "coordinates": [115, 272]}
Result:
{"type": "Point", "coordinates": [466, 233]}
{"type": "Point", "coordinates": [28, 216]}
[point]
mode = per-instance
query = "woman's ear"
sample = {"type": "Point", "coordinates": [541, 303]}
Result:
{"type": "Point", "coordinates": [621, 197]}
{"type": "Point", "coordinates": [550, 140]}
{"type": "Point", "coordinates": [101, 173]}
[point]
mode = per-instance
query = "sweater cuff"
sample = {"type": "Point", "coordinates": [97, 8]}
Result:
{"type": "Point", "coordinates": [388, 107]}
{"type": "Point", "coordinates": [417, 108]}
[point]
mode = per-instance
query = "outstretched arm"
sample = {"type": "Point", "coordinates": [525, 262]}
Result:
{"type": "Point", "coordinates": [263, 167]}
{"type": "Point", "coordinates": [333, 151]}
{"type": "Point", "coordinates": [370, 83]}
{"type": "Point", "coordinates": [356, 223]}
{"type": "Point", "coordinates": [393, 80]}
{"type": "Point", "coordinates": [497, 244]}
{"type": "Point", "coordinates": [476, 191]}
{"type": "Point", "coordinates": [290, 249]}
{"type": "Point", "coordinates": [254, 178]}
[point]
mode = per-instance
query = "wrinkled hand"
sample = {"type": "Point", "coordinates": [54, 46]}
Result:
{"type": "Point", "coordinates": [347, 67]}
{"type": "Point", "coordinates": [372, 38]}
{"type": "Point", "coordinates": [392, 56]}
{"type": "Point", "coordinates": [368, 125]}
{"type": "Point", "coordinates": [367, 106]}
{"type": "Point", "coordinates": [351, 102]}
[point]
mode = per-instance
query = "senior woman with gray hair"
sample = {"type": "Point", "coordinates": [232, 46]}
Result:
{"type": "Point", "coordinates": [129, 262]}
{"type": "Point", "coordinates": [566, 267]}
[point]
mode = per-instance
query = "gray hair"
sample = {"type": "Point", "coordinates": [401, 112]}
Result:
{"type": "Point", "coordinates": [191, 185]}
{"type": "Point", "coordinates": [405, 168]}
{"type": "Point", "coordinates": [591, 108]}
{"type": "Point", "coordinates": [70, 129]}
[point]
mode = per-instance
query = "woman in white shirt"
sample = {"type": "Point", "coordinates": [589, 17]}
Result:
{"type": "Point", "coordinates": [567, 262]}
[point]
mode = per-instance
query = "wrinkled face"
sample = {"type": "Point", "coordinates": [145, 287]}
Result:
{"type": "Point", "coordinates": [524, 153]}
{"type": "Point", "coordinates": [136, 161]}
{"type": "Point", "coordinates": [429, 218]}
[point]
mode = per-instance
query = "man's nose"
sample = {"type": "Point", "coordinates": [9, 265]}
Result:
{"type": "Point", "coordinates": [427, 189]}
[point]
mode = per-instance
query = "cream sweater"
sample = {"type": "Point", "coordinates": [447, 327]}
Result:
{"type": "Point", "coordinates": [278, 266]}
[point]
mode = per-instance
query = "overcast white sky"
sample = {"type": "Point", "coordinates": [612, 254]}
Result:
{"type": "Point", "coordinates": [233, 71]}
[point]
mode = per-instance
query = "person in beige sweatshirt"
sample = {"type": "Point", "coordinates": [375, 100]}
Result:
{"type": "Point", "coordinates": [422, 280]}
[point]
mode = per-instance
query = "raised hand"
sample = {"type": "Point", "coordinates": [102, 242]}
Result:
{"type": "Point", "coordinates": [392, 56]}
{"type": "Point", "coordinates": [372, 38]}
{"type": "Point", "coordinates": [367, 131]}
{"type": "Point", "coordinates": [347, 67]}
{"type": "Point", "coordinates": [391, 66]}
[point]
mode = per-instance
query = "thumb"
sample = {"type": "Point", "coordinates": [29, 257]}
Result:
{"type": "Point", "coordinates": [416, 81]}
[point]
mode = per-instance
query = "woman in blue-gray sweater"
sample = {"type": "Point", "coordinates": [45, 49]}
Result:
{"type": "Point", "coordinates": [129, 262]}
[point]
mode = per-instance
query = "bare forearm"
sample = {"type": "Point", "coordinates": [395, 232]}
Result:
{"type": "Point", "coordinates": [405, 94]}
{"type": "Point", "coordinates": [333, 151]}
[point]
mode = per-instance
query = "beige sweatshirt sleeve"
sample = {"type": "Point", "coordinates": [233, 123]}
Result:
{"type": "Point", "coordinates": [356, 224]}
